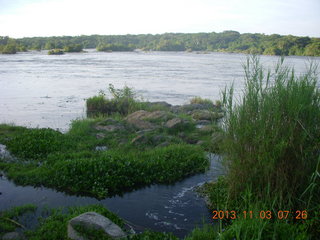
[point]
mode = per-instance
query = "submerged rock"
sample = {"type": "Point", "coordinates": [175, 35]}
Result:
{"type": "Point", "coordinates": [92, 220]}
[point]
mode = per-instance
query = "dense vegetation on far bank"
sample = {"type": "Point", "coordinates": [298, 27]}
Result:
{"type": "Point", "coordinates": [227, 41]}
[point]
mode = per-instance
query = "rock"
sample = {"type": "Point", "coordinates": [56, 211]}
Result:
{"type": "Point", "coordinates": [196, 106]}
{"type": "Point", "coordinates": [93, 220]}
{"type": "Point", "coordinates": [101, 148]}
{"type": "Point", "coordinates": [4, 153]}
{"type": "Point", "coordinates": [136, 119]}
{"type": "Point", "coordinates": [109, 125]}
{"type": "Point", "coordinates": [13, 236]}
{"type": "Point", "coordinates": [138, 115]}
{"type": "Point", "coordinates": [142, 125]}
{"type": "Point", "coordinates": [202, 115]}
{"type": "Point", "coordinates": [203, 122]}
{"type": "Point", "coordinates": [173, 123]}
{"type": "Point", "coordinates": [100, 135]}
{"type": "Point", "coordinates": [139, 139]}
{"type": "Point", "coordinates": [206, 128]}
{"type": "Point", "coordinates": [155, 115]}
{"type": "Point", "coordinates": [159, 104]}
{"type": "Point", "coordinates": [157, 139]}
{"type": "Point", "coordinates": [110, 128]}
{"type": "Point", "coordinates": [200, 142]}
{"type": "Point", "coordinates": [164, 144]}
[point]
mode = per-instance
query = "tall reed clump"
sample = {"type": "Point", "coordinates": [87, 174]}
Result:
{"type": "Point", "coordinates": [272, 137]}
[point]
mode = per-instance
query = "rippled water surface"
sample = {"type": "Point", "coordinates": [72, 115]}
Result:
{"type": "Point", "coordinates": [42, 90]}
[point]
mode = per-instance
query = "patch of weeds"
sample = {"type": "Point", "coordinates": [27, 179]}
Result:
{"type": "Point", "coordinates": [206, 232]}
{"type": "Point", "coordinates": [55, 226]}
{"type": "Point", "coordinates": [9, 218]}
{"type": "Point", "coordinates": [150, 235]}
{"type": "Point", "coordinates": [36, 143]}
{"type": "Point", "coordinates": [199, 100]}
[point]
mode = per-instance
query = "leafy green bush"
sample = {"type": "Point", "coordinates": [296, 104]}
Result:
{"type": "Point", "coordinates": [123, 101]}
{"type": "Point", "coordinates": [36, 143]}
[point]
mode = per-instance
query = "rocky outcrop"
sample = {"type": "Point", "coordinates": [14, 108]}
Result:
{"type": "Point", "coordinates": [174, 123]}
{"type": "Point", "coordinates": [93, 221]}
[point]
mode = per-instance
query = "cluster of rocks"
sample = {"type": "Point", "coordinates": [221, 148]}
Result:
{"type": "Point", "coordinates": [144, 122]}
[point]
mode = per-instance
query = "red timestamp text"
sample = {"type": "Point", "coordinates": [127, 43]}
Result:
{"type": "Point", "coordinates": [263, 214]}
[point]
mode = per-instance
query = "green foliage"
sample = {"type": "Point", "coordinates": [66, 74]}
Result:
{"type": "Point", "coordinates": [8, 49]}
{"type": "Point", "coordinates": [123, 101]}
{"type": "Point", "coordinates": [199, 100]}
{"type": "Point", "coordinates": [207, 232]}
{"type": "Point", "coordinates": [271, 139]}
{"type": "Point", "coordinates": [227, 41]}
{"type": "Point", "coordinates": [73, 48]}
{"type": "Point", "coordinates": [9, 219]}
{"type": "Point", "coordinates": [102, 174]}
{"type": "Point", "coordinates": [55, 226]}
{"type": "Point", "coordinates": [36, 143]}
{"type": "Point", "coordinates": [114, 47]}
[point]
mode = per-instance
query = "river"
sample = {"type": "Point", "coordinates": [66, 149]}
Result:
{"type": "Point", "coordinates": [40, 90]}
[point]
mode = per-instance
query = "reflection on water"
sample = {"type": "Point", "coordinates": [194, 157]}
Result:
{"type": "Point", "coordinates": [173, 208]}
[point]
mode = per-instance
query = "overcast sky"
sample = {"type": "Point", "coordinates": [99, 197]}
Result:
{"type": "Point", "coordinates": [28, 18]}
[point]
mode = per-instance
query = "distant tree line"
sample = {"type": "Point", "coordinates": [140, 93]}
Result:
{"type": "Point", "coordinates": [227, 41]}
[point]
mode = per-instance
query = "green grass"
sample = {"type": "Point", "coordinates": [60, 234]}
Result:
{"type": "Point", "coordinates": [272, 137]}
{"type": "Point", "coordinates": [55, 226]}
{"type": "Point", "coordinates": [9, 220]}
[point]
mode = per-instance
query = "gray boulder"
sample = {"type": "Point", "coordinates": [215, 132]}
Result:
{"type": "Point", "coordinates": [93, 220]}
{"type": "Point", "coordinates": [173, 123]}
{"type": "Point", "coordinates": [13, 236]}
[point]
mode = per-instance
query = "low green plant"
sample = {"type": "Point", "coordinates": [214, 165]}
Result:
{"type": "Point", "coordinates": [206, 232]}
{"type": "Point", "coordinates": [36, 143]}
{"type": "Point", "coordinates": [9, 219]}
{"type": "Point", "coordinates": [123, 101]}
{"type": "Point", "coordinates": [199, 100]}
{"type": "Point", "coordinates": [102, 174]}
{"type": "Point", "coordinates": [54, 226]}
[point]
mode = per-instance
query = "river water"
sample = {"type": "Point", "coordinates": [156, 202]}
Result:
{"type": "Point", "coordinates": [175, 208]}
{"type": "Point", "coordinates": [40, 90]}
